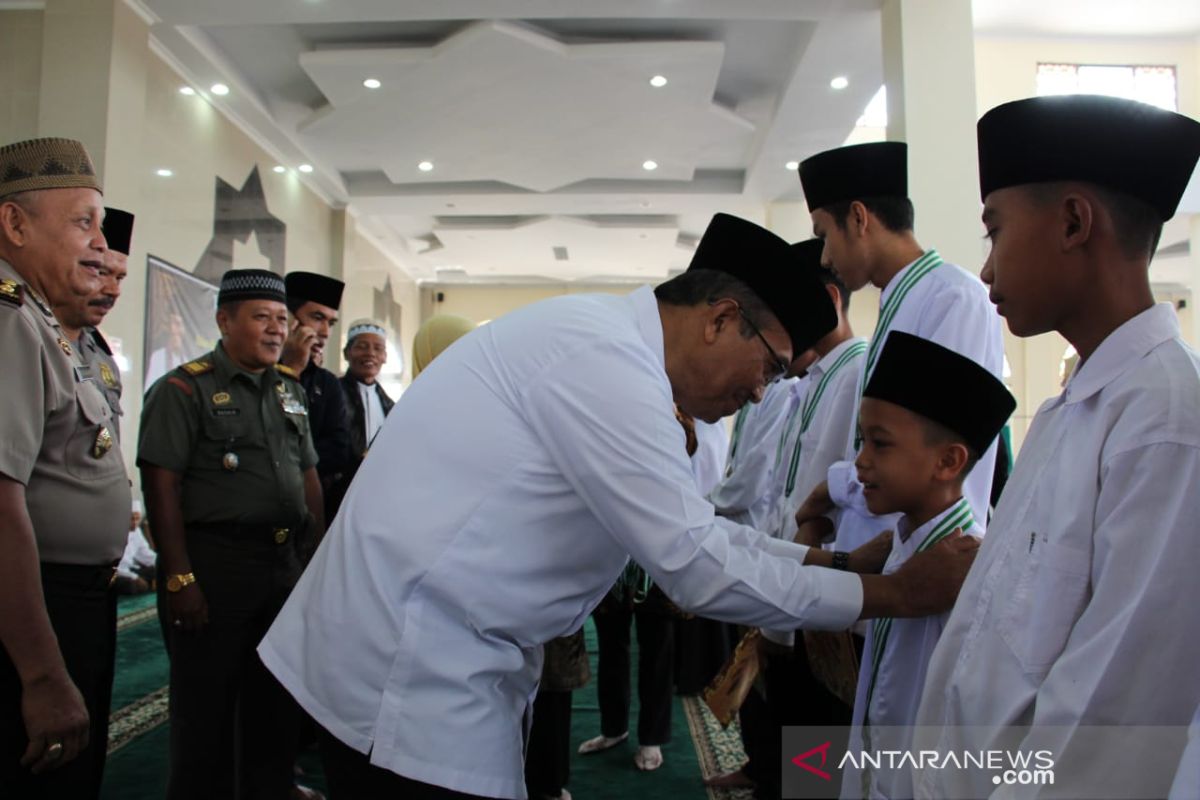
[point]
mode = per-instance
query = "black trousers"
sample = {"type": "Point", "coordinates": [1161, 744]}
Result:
{"type": "Point", "coordinates": [233, 726]}
{"type": "Point", "coordinates": [655, 636]}
{"type": "Point", "coordinates": [701, 648]}
{"type": "Point", "coordinates": [83, 613]}
{"type": "Point", "coordinates": [793, 697]}
{"type": "Point", "coordinates": [350, 775]}
{"type": "Point", "coordinates": [548, 754]}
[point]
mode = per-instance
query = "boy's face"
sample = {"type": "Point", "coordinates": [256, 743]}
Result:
{"type": "Point", "coordinates": [1030, 287]}
{"type": "Point", "coordinates": [842, 252]}
{"type": "Point", "coordinates": [896, 465]}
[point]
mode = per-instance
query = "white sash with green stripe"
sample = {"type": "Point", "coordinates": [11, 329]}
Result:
{"type": "Point", "coordinates": [739, 422]}
{"type": "Point", "coordinates": [808, 410]}
{"type": "Point", "coordinates": [924, 265]}
{"type": "Point", "coordinates": [959, 516]}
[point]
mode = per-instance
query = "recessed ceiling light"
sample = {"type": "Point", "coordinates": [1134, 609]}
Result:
{"type": "Point", "coordinates": [163, 173]}
{"type": "Point", "coordinates": [219, 89]}
{"type": "Point", "coordinates": [372, 83]}
{"type": "Point", "coordinates": [305, 168]}
{"type": "Point", "coordinates": [280, 169]}
{"type": "Point", "coordinates": [649, 165]}
{"type": "Point", "coordinates": [791, 166]}
{"type": "Point", "coordinates": [840, 82]}
{"type": "Point", "coordinates": [425, 166]}
{"type": "Point", "coordinates": [189, 91]}
{"type": "Point", "coordinates": [658, 81]}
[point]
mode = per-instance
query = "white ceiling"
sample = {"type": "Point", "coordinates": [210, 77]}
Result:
{"type": "Point", "coordinates": [537, 115]}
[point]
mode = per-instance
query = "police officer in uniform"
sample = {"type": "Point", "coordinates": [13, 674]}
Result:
{"type": "Point", "coordinates": [228, 473]}
{"type": "Point", "coordinates": [313, 301]}
{"type": "Point", "coordinates": [64, 492]}
{"type": "Point", "coordinates": [81, 319]}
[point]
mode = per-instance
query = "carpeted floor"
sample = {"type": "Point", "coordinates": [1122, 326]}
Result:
{"type": "Point", "coordinates": [137, 760]}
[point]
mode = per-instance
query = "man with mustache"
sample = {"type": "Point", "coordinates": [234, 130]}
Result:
{"type": "Point", "coordinates": [64, 492]}
{"type": "Point", "coordinates": [229, 477]}
{"type": "Point", "coordinates": [81, 320]}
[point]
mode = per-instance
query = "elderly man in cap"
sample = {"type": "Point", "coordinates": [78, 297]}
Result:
{"type": "Point", "coordinates": [64, 492]}
{"type": "Point", "coordinates": [229, 478]}
{"type": "Point", "coordinates": [81, 319]}
{"type": "Point", "coordinates": [1080, 612]}
{"type": "Point", "coordinates": [313, 302]}
{"type": "Point", "coordinates": [369, 404]}
{"type": "Point", "coordinates": [414, 637]}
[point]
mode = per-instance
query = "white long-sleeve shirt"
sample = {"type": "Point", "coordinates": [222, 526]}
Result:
{"type": "Point", "coordinates": [708, 462]}
{"type": "Point", "coordinates": [744, 495]}
{"type": "Point", "coordinates": [947, 305]}
{"type": "Point", "coordinates": [822, 416]}
{"type": "Point", "coordinates": [1080, 609]}
{"type": "Point", "coordinates": [501, 500]}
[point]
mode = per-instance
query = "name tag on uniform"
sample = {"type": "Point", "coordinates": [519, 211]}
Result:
{"type": "Point", "coordinates": [83, 373]}
{"type": "Point", "coordinates": [226, 412]}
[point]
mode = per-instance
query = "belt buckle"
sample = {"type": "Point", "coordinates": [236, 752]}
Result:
{"type": "Point", "coordinates": [281, 535]}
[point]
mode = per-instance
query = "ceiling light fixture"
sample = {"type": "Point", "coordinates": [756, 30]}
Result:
{"type": "Point", "coordinates": [792, 166]}
{"type": "Point", "coordinates": [372, 83]}
{"type": "Point", "coordinates": [305, 168]}
{"type": "Point", "coordinates": [658, 81]}
{"type": "Point", "coordinates": [280, 169]}
{"type": "Point", "coordinates": [839, 83]}
{"type": "Point", "coordinates": [649, 165]}
{"type": "Point", "coordinates": [425, 166]}
{"type": "Point", "coordinates": [219, 89]}
{"type": "Point", "coordinates": [163, 173]}
{"type": "Point", "coordinates": [187, 90]}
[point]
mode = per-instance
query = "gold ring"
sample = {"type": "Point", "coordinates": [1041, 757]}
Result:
{"type": "Point", "coordinates": [54, 751]}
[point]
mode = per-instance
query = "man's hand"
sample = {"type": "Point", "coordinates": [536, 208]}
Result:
{"type": "Point", "coordinates": [814, 532]}
{"type": "Point", "coordinates": [815, 506]}
{"type": "Point", "coordinates": [297, 348]}
{"type": "Point", "coordinates": [868, 559]}
{"type": "Point", "coordinates": [931, 580]}
{"type": "Point", "coordinates": [56, 722]}
{"type": "Point", "coordinates": [188, 608]}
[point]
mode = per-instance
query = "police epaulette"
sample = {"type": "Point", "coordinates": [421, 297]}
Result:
{"type": "Point", "coordinates": [198, 367]}
{"type": "Point", "coordinates": [12, 292]}
{"type": "Point", "coordinates": [284, 369]}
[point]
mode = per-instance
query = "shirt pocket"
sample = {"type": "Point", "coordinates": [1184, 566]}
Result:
{"type": "Point", "coordinates": [227, 430]}
{"type": "Point", "coordinates": [1049, 597]}
{"type": "Point", "coordinates": [88, 437]}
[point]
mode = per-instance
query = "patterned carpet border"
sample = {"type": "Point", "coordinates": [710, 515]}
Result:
{"type": "Point", "coordinates": [718, 749]}
{"type": "Point", "coordinates": [144, 715]}
{"type": "Point", "coordinates": [126, 621]}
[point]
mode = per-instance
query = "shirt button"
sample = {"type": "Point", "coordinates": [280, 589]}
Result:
{"type": "Point", "coordinates": [276, 463]}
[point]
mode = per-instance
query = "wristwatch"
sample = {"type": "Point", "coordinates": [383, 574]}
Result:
{"type": "Point", "coordinates": [841, 560]}
{"type": "Point", "coordinates": [177, 582]}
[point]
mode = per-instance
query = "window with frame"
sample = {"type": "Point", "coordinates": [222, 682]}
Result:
{"type": "Point", "coordinates": [1150, 84]}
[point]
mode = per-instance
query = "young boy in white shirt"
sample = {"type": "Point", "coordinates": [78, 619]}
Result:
{"type": "Point", "coordinates": [920, 441]}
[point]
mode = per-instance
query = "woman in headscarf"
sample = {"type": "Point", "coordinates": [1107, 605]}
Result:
{"type": "Point", "coordinates": [436, 335]}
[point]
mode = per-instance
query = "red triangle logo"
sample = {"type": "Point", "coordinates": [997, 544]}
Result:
{"type": "Point", "coordinates": [802, 761]}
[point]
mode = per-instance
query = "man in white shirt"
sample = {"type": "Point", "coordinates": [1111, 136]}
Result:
{"type": "Point", "coordinates": [1080, 611]}
{"type": "Point", "coordinates": [508, 490]}
{"type": "Point", "coordinates": [858, 197]}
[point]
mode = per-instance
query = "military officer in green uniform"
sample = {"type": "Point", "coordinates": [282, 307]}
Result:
{"type": "Point", "coordinates": [228, 474]}
{"type": "Point", "coordinates": [64, 491]}
{"type": "Point", "coordinates": [81, 320]}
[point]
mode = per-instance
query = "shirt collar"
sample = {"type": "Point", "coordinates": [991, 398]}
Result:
{"type": "Point", "coordinates": [896, 279]}
{"type": "Point", "coordinates": [649, 321]}
{"type": "Point", "coordinates": [227, 370]}
{"type": "Point", "coordinates": [924, 530]}
{"type": "Point", "coordinates": [829, 359]}
{"type": "Point", "coordinates": [1120, 350]}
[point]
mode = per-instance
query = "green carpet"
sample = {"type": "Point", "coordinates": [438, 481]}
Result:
{"type": "Point", "coordinates": [137, 760]}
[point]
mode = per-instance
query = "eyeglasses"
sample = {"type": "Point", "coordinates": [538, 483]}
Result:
{"type": "Point", "coordinates": [780, 367]}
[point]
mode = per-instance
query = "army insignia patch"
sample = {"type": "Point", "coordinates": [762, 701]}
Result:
{"type": "Point", "coordinates": [221, 399]}
{"type": "Point", "coordinates": [103, 444]}
{"type": "Point", "coordinates": [11, 292]}
{"type": "Point", "coordinates": [197, 367]}
{"type": "Point", "coordinates": [106, 375]}
{"type": "Point", "coordinates": [65, 345]}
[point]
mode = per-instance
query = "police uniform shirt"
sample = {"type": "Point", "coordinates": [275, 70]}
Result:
{"type": "Point", "coordinates": [240, 440]}
{"type": "Point", "coordinates": [97, 355]}
{"type": "Point", "coordinates": [500, 503]}
{"type": "Point", "coordinates": [56, 435]}
{"type": "Point", "coordinates": [941, 302]}
{"type": "Point", "coordinates": [1077, 609]}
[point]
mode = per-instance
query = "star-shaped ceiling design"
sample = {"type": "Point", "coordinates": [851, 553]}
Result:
{"type": "Point", "coordinates": [498, 87]}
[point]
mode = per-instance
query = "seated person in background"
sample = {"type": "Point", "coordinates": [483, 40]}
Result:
{"type": "Point", "coordinates": [135, 572]}
{"type": "Point", "coordinates": [920, 442]}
